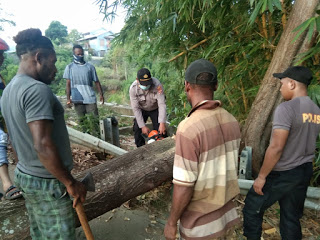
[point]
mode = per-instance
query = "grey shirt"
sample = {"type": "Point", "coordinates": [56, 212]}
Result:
{"type": "Point", "coordinates": [301, 117]}
{"type": "Point", "coordinates": [148, 100]}
{"type": "Point", "coordinates": [25, 100]}
{"type": "Point", "coordinates": [82, 77]}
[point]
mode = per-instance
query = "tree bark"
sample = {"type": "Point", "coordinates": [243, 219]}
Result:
{"type": "Point", "coordinates": [257, 130]}
{"type": "Point", "coordinates": [116, 181]}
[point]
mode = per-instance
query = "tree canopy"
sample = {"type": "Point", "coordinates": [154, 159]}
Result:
{"type": "Point", "coordinates": [74, 36]}
{"type": "Point", "coordinates": [57, 32]}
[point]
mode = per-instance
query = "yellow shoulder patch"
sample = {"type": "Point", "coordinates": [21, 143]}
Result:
{"type": "Point", "coordinates": [160, 91]}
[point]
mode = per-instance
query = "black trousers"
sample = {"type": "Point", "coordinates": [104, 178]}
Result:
{"type": "Point", "coordinates": [138, 139]}
{"type": "Point", "coordinates": [289, 189]}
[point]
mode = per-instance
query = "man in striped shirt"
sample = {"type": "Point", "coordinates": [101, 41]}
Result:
{"type": "Point", "coordinates": [205, 164]}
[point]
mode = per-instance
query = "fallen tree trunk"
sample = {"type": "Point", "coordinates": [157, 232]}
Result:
{"type": "Point", "coordinates": [116, 181]}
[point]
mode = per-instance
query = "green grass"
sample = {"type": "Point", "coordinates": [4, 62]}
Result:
{"type": "Point", "coordinates": [118, 97]}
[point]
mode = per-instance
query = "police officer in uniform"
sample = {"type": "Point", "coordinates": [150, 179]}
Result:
{"type": "Point", "coordinates": [147, 100]}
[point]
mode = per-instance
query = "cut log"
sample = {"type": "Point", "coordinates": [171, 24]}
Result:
{"type": "Point", "coordinates": [117, 181]}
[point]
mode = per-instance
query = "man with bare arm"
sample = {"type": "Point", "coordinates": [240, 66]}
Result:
{"type": "Point", "coordinates": [35, 121]}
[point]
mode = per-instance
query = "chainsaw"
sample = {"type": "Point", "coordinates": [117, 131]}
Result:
{"type": "Point", "coordinates": [153, 136]}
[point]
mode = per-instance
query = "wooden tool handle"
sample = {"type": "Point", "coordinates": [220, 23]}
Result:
{"type": "Point", "coordinates": [84, 221]}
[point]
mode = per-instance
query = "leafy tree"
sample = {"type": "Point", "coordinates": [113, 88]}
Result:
{"type": "Point", "coordinates": [64, 57]}
{"type": "Point", "coordinates": [57, 32]}
{"type": "Point", "coordinates": [9, 67]}
{"type": "Point", "coordinates": [74, 36]}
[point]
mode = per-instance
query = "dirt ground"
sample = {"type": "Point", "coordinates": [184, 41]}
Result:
{"type": "Point", "coordinates": [126, 224]}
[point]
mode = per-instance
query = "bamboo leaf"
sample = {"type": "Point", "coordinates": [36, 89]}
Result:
{"type": "Point", "coordinates": [173, 18]}
{"type": "Point", "coordinates": [314, 93]}
{"type": "Point", "coordinates": [277, 3]}
{"type": "Point", "coordinates": [204, 4]}
{"type": "Point", "coordinates": [307, 55]}
{"type": "Point", "coordinates": [264, 7]}
{"type": "Point", "coordinates": [255, 12]}
{"type": "Point", "coordinates": [311, 30]}
{"type": "Point", "coordinates": [318, 23]}
{"type": "Point", "coordinates": [301, 28]}
{"type": "Point", "coordinates": [174, 25]}
{"type": "Point", "coordinates": [209, 50]}
{"type": "Point", "coordinates": [251, 2]}
{"type": "Point", "coordinates": [270, 5]}
{"type": "Point", "coordinates": [158, 6]}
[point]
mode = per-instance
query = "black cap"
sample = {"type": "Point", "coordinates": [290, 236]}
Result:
{"type": "Point", "coordinates": [201, 66]}
{"type": "Point", "coordinates": [298, 73]}
{"type": "Point", "coordinates": [144, 77]}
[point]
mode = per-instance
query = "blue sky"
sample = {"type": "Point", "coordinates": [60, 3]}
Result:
{"type": "Point", "coordinates": [82, 15]}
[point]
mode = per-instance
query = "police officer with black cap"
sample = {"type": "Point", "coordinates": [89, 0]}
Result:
{"type": "Point", "coordinates": [147, 100]}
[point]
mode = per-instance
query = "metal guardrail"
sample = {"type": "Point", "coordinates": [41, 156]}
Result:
{"type": "Point", "coordinates": [93, 142]}
{"type": "Point", "coordinates": [245, 165]}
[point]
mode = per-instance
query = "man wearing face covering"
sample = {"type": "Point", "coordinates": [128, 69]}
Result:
{"type": "Point", "coordinates": [80, 77]}
{"type": "Point", "coordinates": [147, 100]}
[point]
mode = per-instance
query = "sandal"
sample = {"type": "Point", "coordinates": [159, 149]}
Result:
{"type": "Point", "coordinates": [12, 193]}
